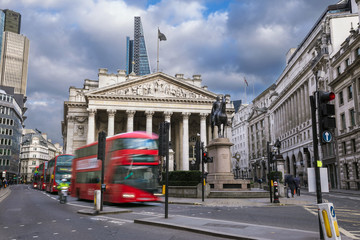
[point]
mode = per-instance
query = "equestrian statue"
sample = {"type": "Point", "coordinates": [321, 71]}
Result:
{"type": "Point", "coordinates": [218, 116]}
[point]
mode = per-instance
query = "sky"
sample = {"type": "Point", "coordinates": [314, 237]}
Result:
{"type": "Point", "coordinates": [223, 41]}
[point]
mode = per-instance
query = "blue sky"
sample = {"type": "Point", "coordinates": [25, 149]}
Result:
{"type": "Point", "coordinates": [224, 41]}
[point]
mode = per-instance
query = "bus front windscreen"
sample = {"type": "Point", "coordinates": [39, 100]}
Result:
{"type": "Point", "coordinates": [63, 172]}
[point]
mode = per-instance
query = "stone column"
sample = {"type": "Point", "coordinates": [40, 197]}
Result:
{"type": "Point", "coordinates": [70, 135]}
{"type": "Point", "coordinates": [203, 128]}
{"type": "Point", "coordinates": [307, 102]}
{"type": "Point", "coordinates": [91, 126]}
{"type": "Point", "coordinates": [302, 104]}
{"type": "Point", "coordinates": [111, 121]}
{"type": "Point", "coordinates": [171, 151]}
{"type": "Point", "coordinates": [130, 120]}
{"type": "Point", "coordinates": [149, 115]}
{"type": "Point", "coordinates": [167, 116]}
{"type": "Point", "coordinates": [185, 141]}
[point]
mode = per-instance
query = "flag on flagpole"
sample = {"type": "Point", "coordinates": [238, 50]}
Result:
{"type": "Point", "coordinates": [161, 36]}
{"type": "Point", "coordinates": [246, 82]}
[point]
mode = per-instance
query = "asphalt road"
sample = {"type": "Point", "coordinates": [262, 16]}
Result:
{"type": "Point", "coordinates": [32, 214]}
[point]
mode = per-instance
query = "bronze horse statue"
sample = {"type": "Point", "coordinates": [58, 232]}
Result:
{"type": "Point", "coordinates": [219, 117]}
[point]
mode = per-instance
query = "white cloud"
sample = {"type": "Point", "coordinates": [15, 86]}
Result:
{"type": "Point", "coordinates": [70, 40]}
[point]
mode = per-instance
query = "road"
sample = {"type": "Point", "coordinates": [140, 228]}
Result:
{"type": "Point", "coordinates": [32, 214]}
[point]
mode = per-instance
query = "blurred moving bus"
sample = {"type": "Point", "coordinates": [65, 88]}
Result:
{"type": "Point", "coordinates": [35, 177]}
{"type": "Point", "coordinates": [41, 175]}
{"type": "Point", "coordinates": [130, 173]}
{"type": "Point", "coordinates": [58, 168]}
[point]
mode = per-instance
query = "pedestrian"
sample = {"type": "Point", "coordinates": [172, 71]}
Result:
{"type": "Point", "coordinates": [290, 182]}
{"type": "Point", "coordinates": [297, 186]}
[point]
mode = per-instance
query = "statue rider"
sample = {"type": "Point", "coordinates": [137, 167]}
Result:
{"type": "Point", "coordinates": [215, 109]}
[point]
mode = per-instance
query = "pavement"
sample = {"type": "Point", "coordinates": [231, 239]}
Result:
{"type": "Point", "coordinates": [221, 228]}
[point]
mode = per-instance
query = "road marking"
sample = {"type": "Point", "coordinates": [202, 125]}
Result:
{"type": "Point", "coordinates": [73, 230]}
{"type": "Point", "coordinates": [39, 223]}
{"type": "Point", "coordinates": [55, 233]}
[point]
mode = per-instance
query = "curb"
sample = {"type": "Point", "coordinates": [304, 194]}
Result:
{"type": "Point", "coordinates": [93, 212]}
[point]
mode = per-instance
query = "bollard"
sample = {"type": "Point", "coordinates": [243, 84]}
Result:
{"type": "Point", "coordinates": [276, 192]}
{"type": "Point", "coordinates": [328, 221]}
{"type": "Point", "coordinates": [97, 200]}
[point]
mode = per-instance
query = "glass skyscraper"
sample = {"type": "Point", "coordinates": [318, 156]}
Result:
{"type": "Point", "coordinates": [2, 24]}
{"type": "Point", "coordinates": [137, 60]}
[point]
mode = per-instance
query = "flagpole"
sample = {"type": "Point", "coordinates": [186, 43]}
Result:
{"type": "Point", "coordinates": [158, 40]}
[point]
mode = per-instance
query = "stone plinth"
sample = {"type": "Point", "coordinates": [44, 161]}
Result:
{"type": "Point", "coordinates": [220, 176]}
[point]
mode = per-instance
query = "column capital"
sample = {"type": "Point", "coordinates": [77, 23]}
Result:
{"type": "Point", "coordinates": [130, 113]}
{"type": "Point", "coordinates": [203, 116]}
{"type": "Point", "coordinates": [185, 115]}
{"type": "Point", "coordinates": [70, 118]}
{"type": "Point", "coordinates": [92, 110]}
{"type": "Point", "coordinates": [149, 113]}
{"type": "Point", "coordinates": [168, 113]}
{"type": "Point", "coordinates": [111, 112]}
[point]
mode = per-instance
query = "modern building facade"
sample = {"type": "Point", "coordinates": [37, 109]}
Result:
{"type": "Point", "coordinates": [14, 64]}
{"type": "Point", "coordinates": [117, 103]}
{"type": "Point", "coordinates": [2, 25]}
{"type": "Point", "coordinates": [10, 136]}
{"type": "Point", "coordinates": [137, 60]}
{"type": "Point", "coordinates": [36, 148]}
{"type": "Point", "coordinates": [12, 21]}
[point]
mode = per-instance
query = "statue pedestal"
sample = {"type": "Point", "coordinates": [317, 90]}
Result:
{"type": "Point", "coordinates": [220, 177]}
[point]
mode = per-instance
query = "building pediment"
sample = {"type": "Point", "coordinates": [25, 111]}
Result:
{"type": "Point", "coordinates": [158, 85]}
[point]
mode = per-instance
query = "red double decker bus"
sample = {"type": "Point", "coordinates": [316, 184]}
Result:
{"type": "Point", "coordinates": [58, 168]}
{"type": "Point", "coordinates": [130, 173]}
{"type": "Point", "coordinates": [35, 177]}
{"type": "Point", "coordinates": [41, 175]}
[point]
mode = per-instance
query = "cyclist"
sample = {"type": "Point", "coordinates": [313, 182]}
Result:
{"type": "Point", "coordinates": [63, 185]}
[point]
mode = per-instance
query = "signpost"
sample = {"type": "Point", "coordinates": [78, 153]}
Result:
{"type": "Point", "coordinates": [327, 136]}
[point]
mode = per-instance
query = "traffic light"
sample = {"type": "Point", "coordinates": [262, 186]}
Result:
{"type": "Point", "coordinates": [206, 158]}
{"type": "Point", "coordinates": [163, 139]}
{"type": "Point", "coordinates": [326, 111]}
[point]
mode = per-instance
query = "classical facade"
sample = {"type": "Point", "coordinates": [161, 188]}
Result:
{"type": "Point", "coordinates": [240, 149]}
{"type": "Point", "coordinates": [259, 133]}
{"type": "Point", "coordinates": [36, 148]}
{"type": "Point", "coordinates": [117, 103]}
{"type": "Point", "coordinates": [345, 82]}
{"type": "Point", "coordinates": [308, 70]}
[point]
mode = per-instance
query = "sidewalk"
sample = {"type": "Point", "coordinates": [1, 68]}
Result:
{"type": "Point", "coordinates": [234, 202]}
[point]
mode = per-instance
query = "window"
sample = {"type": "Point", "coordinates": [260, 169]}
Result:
{"type": "Point", "coordinates": [352, 117]}
{"type": "Point", "coordinates": [341, 98]}
{"type": "Point", "coordinates": [347, 62]}
{"type": "Point", "coordinates": [343, 122]}
{"type": "Point", "coordinates": [358, 51]}
{"type": "Point", "coordinates": [353, 145]}
{"type": "Point", "coordinates": [350, 92]}
{"type": "Point", "coordinates": [338, 70]}
{"type": "Point", "coordinates": [344, 148]}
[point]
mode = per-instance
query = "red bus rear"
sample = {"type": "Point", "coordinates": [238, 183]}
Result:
{"type": "Point", "coordinates": [42, 174]}
{"type": "Point", "coordinates": [58, 168]}
{"type": "Point", "coordinates": [131, 169]}
{"type": "Point", "coordinates": [35, 177]}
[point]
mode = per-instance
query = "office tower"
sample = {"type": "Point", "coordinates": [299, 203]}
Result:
{"type": "Point", "coordinates": [129, 55]}
{"type": "Point", "coordinates": [136, 54]}
{"type": "Point", "coordinates": [12, 21]}
{"type": "Point", "coordinates": [2, 24]}
{"type": "Point", "coordinates": [14, 65]}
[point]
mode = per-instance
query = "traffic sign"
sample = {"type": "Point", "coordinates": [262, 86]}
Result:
{"type": "Point", "coordinates": [327, 136]}
{"type": "Point", "coordinates": [332, 211]}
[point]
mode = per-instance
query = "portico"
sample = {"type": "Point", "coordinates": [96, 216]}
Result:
{"type": "Point", "coordinates": [130, 103]}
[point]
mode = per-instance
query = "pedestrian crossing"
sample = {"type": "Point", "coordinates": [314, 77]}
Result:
{"type": "Point", "coordinates": [348, 220]}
